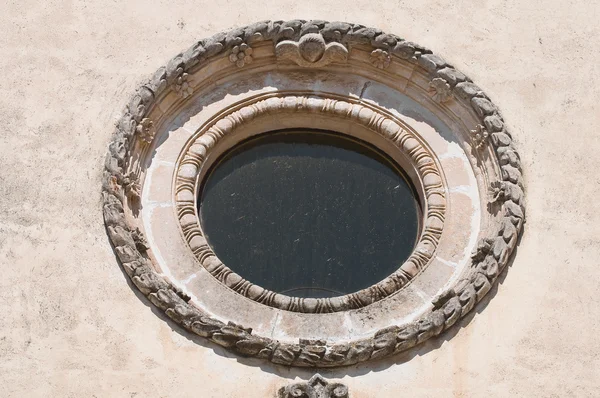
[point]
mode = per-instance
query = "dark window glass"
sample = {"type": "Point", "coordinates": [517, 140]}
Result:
{"type": "Point", "coordinates": [309, 213]}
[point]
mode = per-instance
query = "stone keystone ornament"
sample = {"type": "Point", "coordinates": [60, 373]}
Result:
{"type": "Point", "coordinates": [316, 387]}
{"type": "Point", "coordinates": [312, 51]}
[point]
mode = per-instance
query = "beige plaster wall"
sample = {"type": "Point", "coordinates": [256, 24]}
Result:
{"type": "Point", "coordinates": [71, 325]}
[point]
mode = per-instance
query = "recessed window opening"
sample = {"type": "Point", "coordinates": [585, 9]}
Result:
{"type": "Point", "coordinates": [309, 213]}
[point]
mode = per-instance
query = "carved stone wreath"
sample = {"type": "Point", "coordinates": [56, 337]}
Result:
{"type": "Point", "coordinates": [309, 44]}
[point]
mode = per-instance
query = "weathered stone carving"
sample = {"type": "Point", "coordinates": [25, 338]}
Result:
{"type": "Point", "coordinates": [312, 51]}
{"type": "Point", "coordinates": [446, 309]}
{"type": "Point", "coordinates": [316, 387]}
{"type": "Point", "coordinates": [241, 55]}
{"type": "Point", "coordinates": [380, 58]}
{"type": "Point", "coordinates": [367, 115]}
{"type": "Point", "coordinates": [132, 187]}
{"type": "Point", "coordinates": [440, 89]}
{"type": "Point", "coordinates": [479, 136]}
{"type": "Point", "coordinates": [182, 86]}
{"type": "Point", "coordinates": [500, 192]}
{"type": "Point", "coordinates": [145, 130]}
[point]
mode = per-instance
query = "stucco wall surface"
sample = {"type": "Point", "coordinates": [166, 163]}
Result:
{"type": "Point", "coordinates": [72, 325]}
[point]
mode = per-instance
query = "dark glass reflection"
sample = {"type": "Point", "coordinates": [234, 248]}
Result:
{"type": "Point", "coordinates": [308, 213]}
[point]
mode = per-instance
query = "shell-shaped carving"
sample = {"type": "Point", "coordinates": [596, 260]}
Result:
{"type": "Point", "coordinates": [311, 51]}
{"type": "Point", "coordinates": [312, 47]}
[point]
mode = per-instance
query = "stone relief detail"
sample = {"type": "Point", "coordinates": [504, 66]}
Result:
{"type": "Point", "coordinates": [241, 55]}
{"type": "Point", "coordinates": [489, 260]}
{"type": "Point", "coordinates": [182, 86]}
{"type": "Point", "coordinates": [316, 387]}
{"type": "Point", "coordinates": [501, 191]}
{"type": "Point", "coordinates": [479, 136]}
{"type": "Point", "coordinates": [145, 130]}
{"type": "Point", "coordinates": [140, 240]}
{"type": "Point", "coordinates": [132, 187]}
{"type": "Point", "coordinates": [369, 116]}
{"type": "Point", "coordinates": [311, 51]}
{"type": "Point", "coordinates": [380, 58]}
{"type": "Point", "coordinates": [440, 89]}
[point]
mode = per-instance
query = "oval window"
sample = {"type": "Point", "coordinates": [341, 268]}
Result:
{"type": "Point", "coordinates": [309, 213]}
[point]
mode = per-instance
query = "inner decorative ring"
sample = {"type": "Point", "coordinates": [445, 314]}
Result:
{"type": "Point", "coordinates": [206, 168]}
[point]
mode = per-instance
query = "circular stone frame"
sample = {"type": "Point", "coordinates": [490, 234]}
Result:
{"type": "Point", "coordinates": [308, 111]}
{"type": "Point", "coordinates": [313, 44]}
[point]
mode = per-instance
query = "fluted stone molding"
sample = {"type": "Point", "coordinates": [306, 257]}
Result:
{"type": "Point", "coordinates": [422, 159]}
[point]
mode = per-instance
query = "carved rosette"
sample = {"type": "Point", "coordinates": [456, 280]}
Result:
{"type": "Point", "coordinates": [440, 90]}
{"type": "Point", "coordinates": [381, 58]}
{"type": "Point", "coordinates": [323, 43]}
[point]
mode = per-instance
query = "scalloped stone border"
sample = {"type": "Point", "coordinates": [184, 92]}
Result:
{"type": "Point", "coordinates": [489, 259]}
{"type": "Point", "coordinates": [289, 105]}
